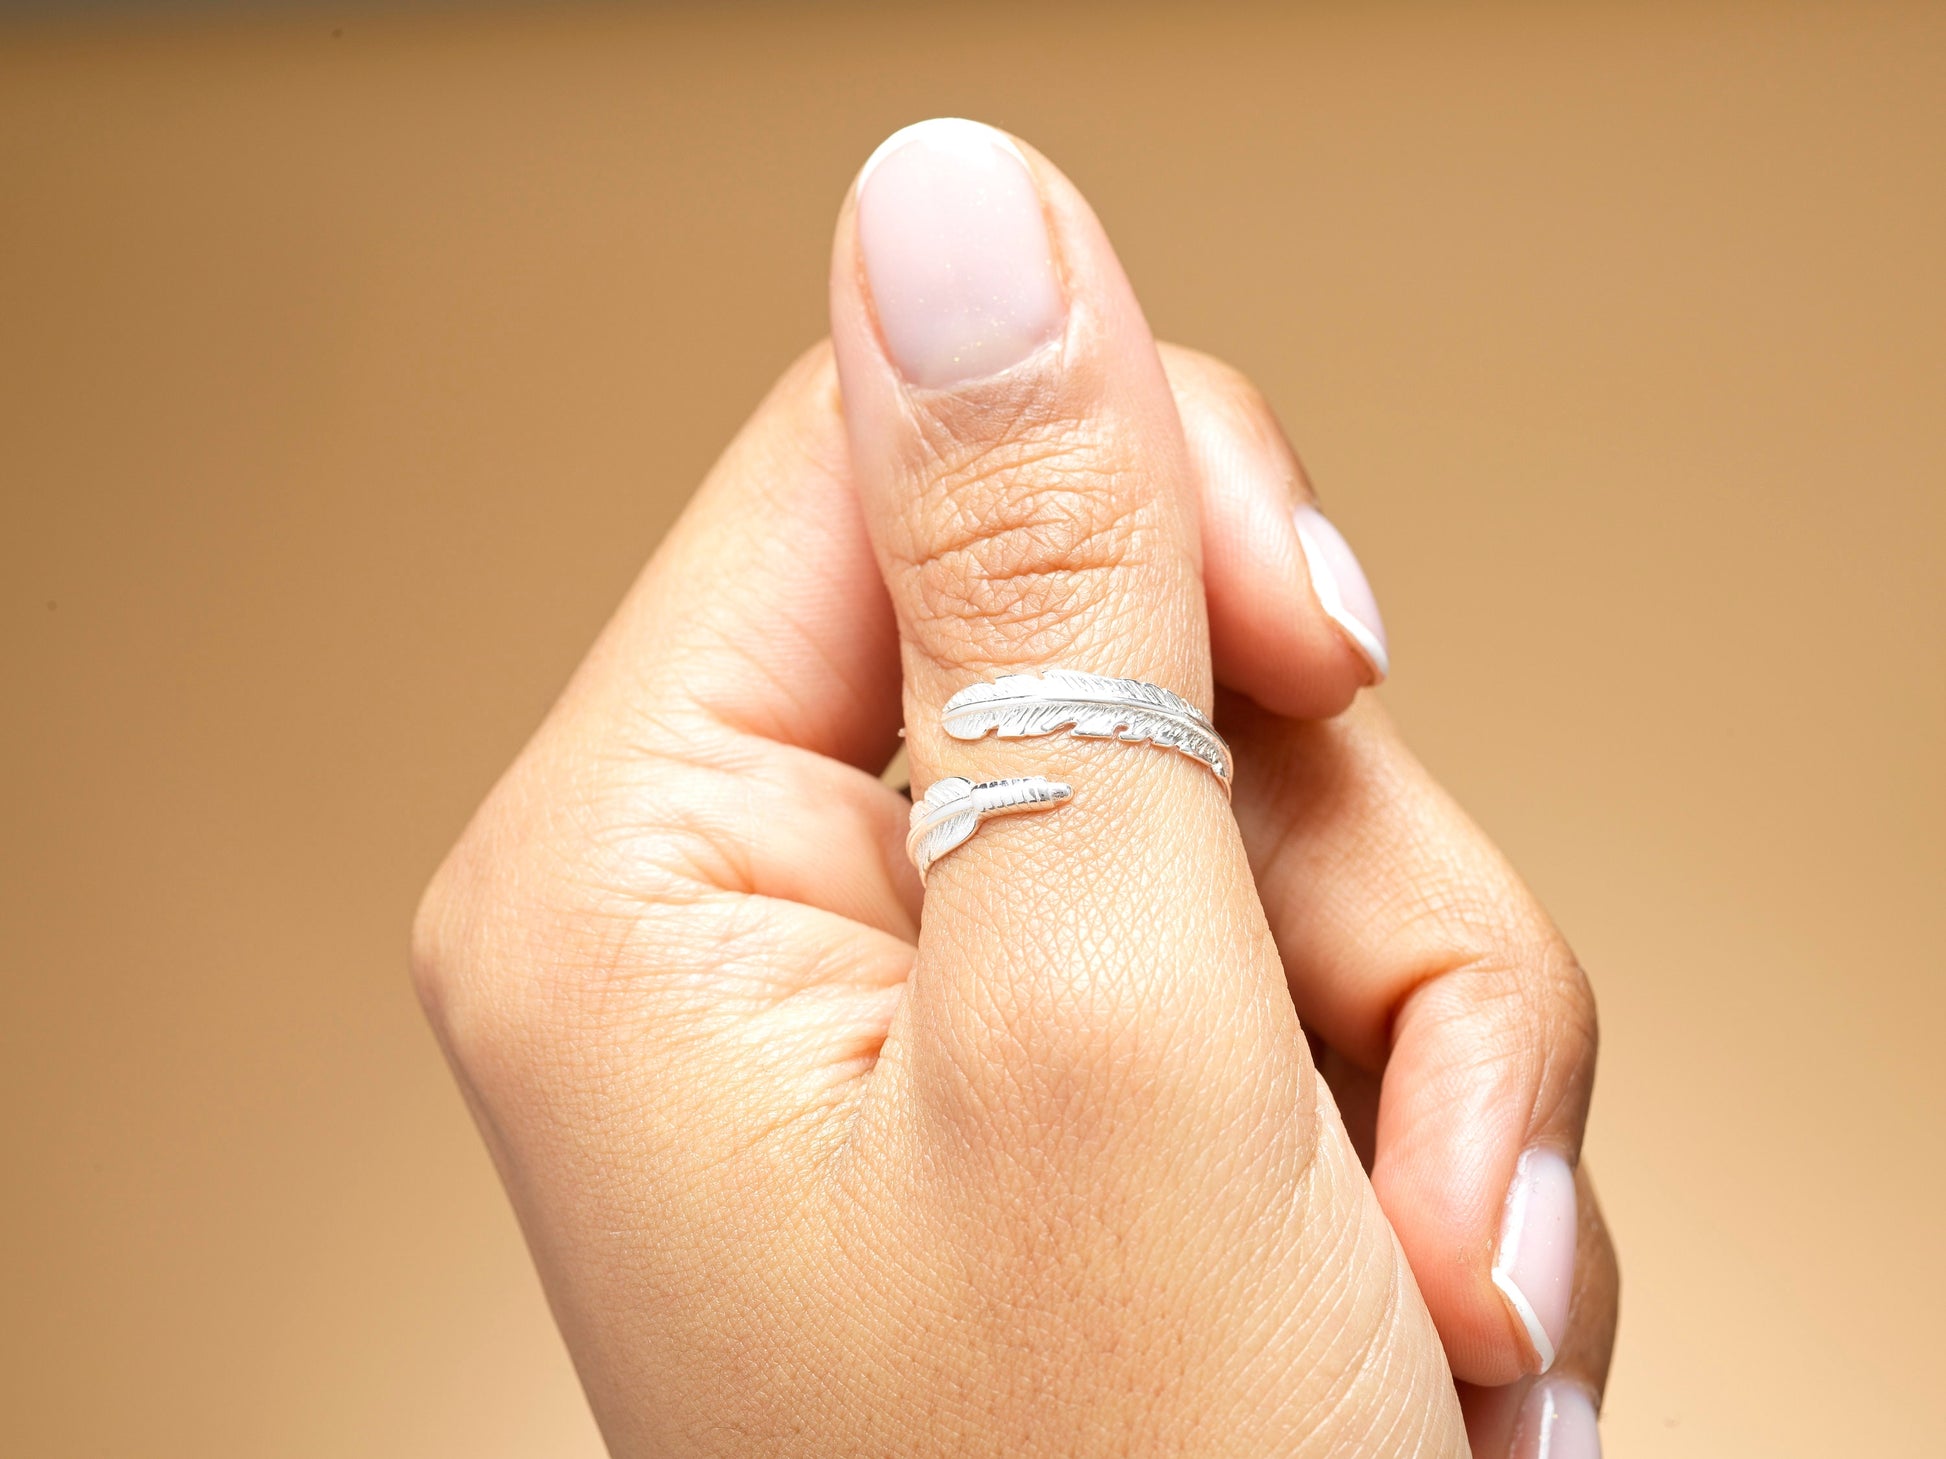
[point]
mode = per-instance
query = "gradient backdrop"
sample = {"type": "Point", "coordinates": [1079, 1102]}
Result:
{"type": "Point", "coordinates": [351, 363]}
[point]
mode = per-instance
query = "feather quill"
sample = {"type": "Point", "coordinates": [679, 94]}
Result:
{"type": "Point", "coordinates": [954, 807]}
{"type": "Point", "coordinates": [1091, 706]}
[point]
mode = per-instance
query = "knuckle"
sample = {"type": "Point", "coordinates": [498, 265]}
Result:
{"type": "Point", "coordinates": [1062, 1061]}
{"type": "Point", "coordinates": [458, 922]}
{"type": "Point", "coordinates": [1026, 540]}
{"type": "Point", "coordinates": [1039, 1041]}
{"type": "Point", "coordinates": [1573, 1018]}
{"type": "Point", "coordinates": [473, 937]}
{"type": "Point", "coordinates": [1509, 975]}
{"type": "Point", "coordinates": [541, 934]}
{"type": "Point", "coordinates": [431, 955]}
{"type": "Point", "coordinates": [1056, 1085]}
{"type": "Point", "coordinates": [1536, 1003]}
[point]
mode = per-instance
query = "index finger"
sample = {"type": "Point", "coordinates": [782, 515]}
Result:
{"type": "Point", "coordinates": [1411, 946]}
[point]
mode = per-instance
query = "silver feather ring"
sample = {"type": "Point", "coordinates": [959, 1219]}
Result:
{"type": "Point", "coordinates": [954, 807]}
{"type": "Point", "coordinates": [1092, 706]}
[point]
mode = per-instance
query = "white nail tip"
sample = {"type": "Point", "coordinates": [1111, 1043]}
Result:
{"type": "Point", "coordinates": [1529, 1318]}
{"type": "Point", "coordinates": [1533, 1266]}
{"type": "Point", "coordinates": [1312, 527]}
{"type": "Point", "coordinates": [948, 134]}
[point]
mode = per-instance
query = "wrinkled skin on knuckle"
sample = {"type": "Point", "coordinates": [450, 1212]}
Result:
{"type": "Point", "coordinates": [1501, 963]}
{"type": "Point", "coordinates": [1516, 1019]}
{"type": "Point", "coordinates": [1026, 542]}
{"type": "Point", "coordinates": [1533, 1010]}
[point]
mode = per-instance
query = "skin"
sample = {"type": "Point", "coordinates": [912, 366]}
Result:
{"type": "Point", "coordinates": [1056, 1170]}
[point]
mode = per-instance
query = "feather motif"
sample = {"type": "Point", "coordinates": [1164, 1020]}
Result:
{"type": "Point", "coordinates": [1091, 706]}
{"type": "Point", "coordinates": [954, 807]}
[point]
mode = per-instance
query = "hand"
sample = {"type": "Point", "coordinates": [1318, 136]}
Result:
{"type": "Point", "coordinates": [1061, 1181]}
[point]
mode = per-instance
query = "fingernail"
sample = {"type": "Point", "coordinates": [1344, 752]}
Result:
{"type": "Point", "coordinates": [956, 252]}
{"type": "Point", "coordinates": [1341, 587]}
{"type": "Point", "coordinates": [1557, 1422]}
{"type": "Point", "coordinates": [1534, 1267]}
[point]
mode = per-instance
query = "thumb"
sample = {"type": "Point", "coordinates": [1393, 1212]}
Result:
{"type": "Point", "coordinates": [1096, 1072]}
{"type": "Point", "coordinates": [1024, 477]}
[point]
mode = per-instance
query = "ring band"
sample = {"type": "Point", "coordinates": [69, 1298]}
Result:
{"type": "Point", "coordinates": [954, 807]}
{"type": "Point", "coordinates": [1092, 706]}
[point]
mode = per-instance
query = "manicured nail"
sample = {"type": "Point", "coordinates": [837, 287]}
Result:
{"type": "Point", "coordinates": [1557, 1422]}
{"type": "Point", "coordinates": [1534, 1267]}
{"type": "Point", "coordinates": [956, 252]}
{"type": "Point", "coordinates": [1341, 587]}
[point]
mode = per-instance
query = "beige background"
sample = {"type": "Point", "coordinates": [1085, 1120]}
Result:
{"type": "Point", "coordinates": [351, 364]}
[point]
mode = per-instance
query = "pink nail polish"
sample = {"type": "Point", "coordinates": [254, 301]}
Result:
{"type": "Point", "coordinates": [1557, 1422]}
{"type": "Point", "coordinates": [1534, 1266]}
{"type": "Point", "coordinates": [1341, 588]}
{"type": "Point", "coordinates": [956, 253]}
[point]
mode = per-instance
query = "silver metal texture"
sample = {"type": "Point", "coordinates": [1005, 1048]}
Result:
{"type": "Point", "coordinates": [1092, 706]}
{"type": "Point", "coordinates": [954, 807]}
